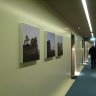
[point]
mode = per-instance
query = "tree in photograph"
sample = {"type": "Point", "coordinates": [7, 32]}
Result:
{"type": "Point", "coordinates": [26, 40]}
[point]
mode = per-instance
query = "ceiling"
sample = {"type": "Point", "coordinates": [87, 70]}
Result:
{"type": "Point", "coordinates": [72, 11]}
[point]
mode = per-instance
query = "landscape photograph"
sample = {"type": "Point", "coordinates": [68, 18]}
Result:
{"type": "Point", "coordinates": [50, 44]}
{"type": "Point", "coordinates": [30, 43]}
{"type": "Point", "coordinates": [59, 45]}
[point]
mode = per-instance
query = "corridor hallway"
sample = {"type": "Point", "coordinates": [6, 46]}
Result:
{"type": "Point", "coordinates": [85, 84]}
{"type": "Point", "coordinates": [36, 18]}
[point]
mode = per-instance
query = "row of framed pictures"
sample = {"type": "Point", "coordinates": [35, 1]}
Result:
{"type": "Point", "coordinates": [30, 44]}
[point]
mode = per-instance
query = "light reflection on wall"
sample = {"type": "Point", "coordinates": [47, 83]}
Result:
{"type": "Point", "coordinates": [31, 17]}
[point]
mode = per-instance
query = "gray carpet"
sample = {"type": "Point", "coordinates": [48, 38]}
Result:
{"type": "Point", "coordinates": [85, 84]}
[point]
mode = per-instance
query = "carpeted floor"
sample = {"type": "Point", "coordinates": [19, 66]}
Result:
{"type": "Point", "coordinates": [85, 84]}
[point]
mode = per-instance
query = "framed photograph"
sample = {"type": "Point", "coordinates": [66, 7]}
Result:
{"type": "Point", "coordinates": [49, 44]}
{"type": "Point", "coordinates": [29, 36]}
{"type": "Point", "coordinates": [59, 45]}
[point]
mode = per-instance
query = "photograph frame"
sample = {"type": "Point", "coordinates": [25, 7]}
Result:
{"type": "Point", "coordinates": [49, 44]}
{"type": "Point", "coordinates": [29, 43]}
{"type": "Point", "coordinates": [59, 45]}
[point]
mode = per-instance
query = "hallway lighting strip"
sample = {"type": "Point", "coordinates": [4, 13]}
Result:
{"type": "Point", "coordinates": [87, 14]}
{"type": "Point", "coordinates": [92, 34]}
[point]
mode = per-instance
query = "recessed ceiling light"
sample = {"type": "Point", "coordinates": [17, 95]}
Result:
{"type": "Point", "coordinates": [93, 39]}
{"type": "Point", "coordinates": [78, 27]}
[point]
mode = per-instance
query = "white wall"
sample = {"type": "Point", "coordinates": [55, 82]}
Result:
{"type": "Point", "coordinates": [44, 78]}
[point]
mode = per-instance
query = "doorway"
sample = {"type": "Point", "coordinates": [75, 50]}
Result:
{"type": "Point", "coordinates": [73, 57]}
{"type": "Point", "coordinates": [83, 52]}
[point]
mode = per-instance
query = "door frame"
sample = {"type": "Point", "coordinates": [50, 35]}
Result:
{"type": "Point", "coordinates": [73, 57]}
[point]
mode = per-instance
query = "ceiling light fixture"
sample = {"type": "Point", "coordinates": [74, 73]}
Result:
{"type": "Point", "coordinates": [93, 39]}
{"type": "Point", "coordinates": [78, 27]}
{"type": "Point", "coordinates": [87, 14]}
